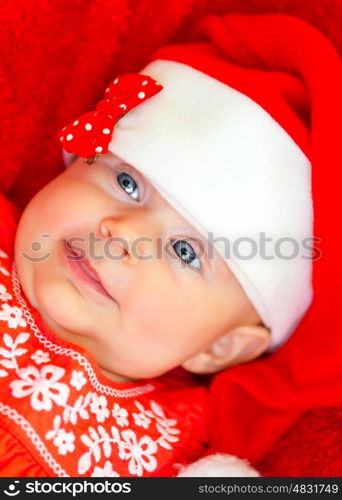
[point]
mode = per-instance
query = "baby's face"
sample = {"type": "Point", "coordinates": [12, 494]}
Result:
{"type": "Point", "coordinates": [161, 298]}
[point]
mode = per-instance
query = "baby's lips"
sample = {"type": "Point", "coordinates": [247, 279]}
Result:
{"type": "Point", "coordinates": [86, 264]}
{"type": "Point", "coordinates": [98, 277]}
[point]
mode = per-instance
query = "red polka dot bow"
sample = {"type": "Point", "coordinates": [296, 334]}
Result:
{"type": "Point", "coordinates": [91, 133]}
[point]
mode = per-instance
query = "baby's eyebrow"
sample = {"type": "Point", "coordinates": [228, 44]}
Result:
{"type": "Point", "coordinates": [117, 161]}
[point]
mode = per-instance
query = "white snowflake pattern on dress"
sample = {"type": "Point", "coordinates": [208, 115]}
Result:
{"type": "Point", "coordinates": [71, 413]}
{"type": "Point", "coordinates": [99, 407]}
{"type": "Point", "coordinates": [4, 295]}
{"type": "Point", "coordinates": [64, 441]}
{"type": "Point", "coordinates": [141, 419]}
{"type": "Point", "coordinates": [138, 452]}
{"type": "Point", "coordinates": [165, 426]}
{"type": "Point", "coordinates": [3, 255]}
{"type": "Point", "coordinates": [40, 357]}
{"type": "Point", "coordinates": [43, 386]}
{"type": "Point", "coordinates": [4, 271]}
{"type": "Point", "coordinates": [13, 316]}
{"type": "Point", "coordinates": [10, 354]}
{"type": "Point", "coordinates": [78, 379]}
{"type": "Point", "coordinates": [106, 471]}
{"type": "Point", "coordinates": [96, 440]}
{"type": "Point", "coordinates": [120, 415]}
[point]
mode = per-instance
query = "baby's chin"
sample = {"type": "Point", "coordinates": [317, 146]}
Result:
{"type": "Point", "coordinates": [116, 377]}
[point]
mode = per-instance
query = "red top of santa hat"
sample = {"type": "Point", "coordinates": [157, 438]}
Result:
{"type": "Point", "coordinates": [252, 405]}
{"type": "Point", "coordinates": [283, 95]}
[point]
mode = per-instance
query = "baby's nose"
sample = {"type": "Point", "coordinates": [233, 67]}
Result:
{"type": "Point", "coordinates": [123, 241]}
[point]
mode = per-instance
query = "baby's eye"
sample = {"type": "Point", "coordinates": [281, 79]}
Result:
{"type": "Point", "coordinates": [186, 253]}
{"type": "Point", "coordinates": [128, 184]}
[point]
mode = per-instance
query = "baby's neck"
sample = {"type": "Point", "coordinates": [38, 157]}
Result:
{"type": "Point", "coordinates": [116, 377]}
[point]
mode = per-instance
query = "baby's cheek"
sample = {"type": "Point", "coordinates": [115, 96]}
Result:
{"type": "Point", "coordinates": [168, 312]}
{"type": "Point", "coordinates": [142, 315]}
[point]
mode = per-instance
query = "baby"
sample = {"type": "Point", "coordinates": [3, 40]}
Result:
{"type": "Point", "coordinates": [139, 313]}
{"type": "Point", "coordinates": [138, 266]}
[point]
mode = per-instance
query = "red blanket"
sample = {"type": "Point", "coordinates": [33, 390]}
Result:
{"type": "Point", "coordinates": [56, 59]}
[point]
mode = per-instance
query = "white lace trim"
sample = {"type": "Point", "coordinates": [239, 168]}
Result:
{"type": "Point", "coordinates": [33, 436]}
{"type": "Point", "coordinates": [125, 393]}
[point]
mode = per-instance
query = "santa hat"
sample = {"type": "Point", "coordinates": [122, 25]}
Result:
{"type": "Point", "coordinates": [244, 114]}
{"type": "Point", "coordinates": [226, 146]}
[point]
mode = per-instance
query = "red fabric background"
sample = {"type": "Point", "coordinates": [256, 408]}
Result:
{"type": "Point", "coordinates": [56, 59]}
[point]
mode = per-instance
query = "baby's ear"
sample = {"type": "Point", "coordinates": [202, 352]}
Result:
{"type": "Point", "coordinates": [239, 345]}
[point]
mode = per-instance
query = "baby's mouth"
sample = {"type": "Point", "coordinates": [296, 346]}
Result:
{"type": "Point", "coordinates": [82, 269]}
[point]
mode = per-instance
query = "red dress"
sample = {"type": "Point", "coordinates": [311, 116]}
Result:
{"type": "Point", "coordinates": [59, 416]}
